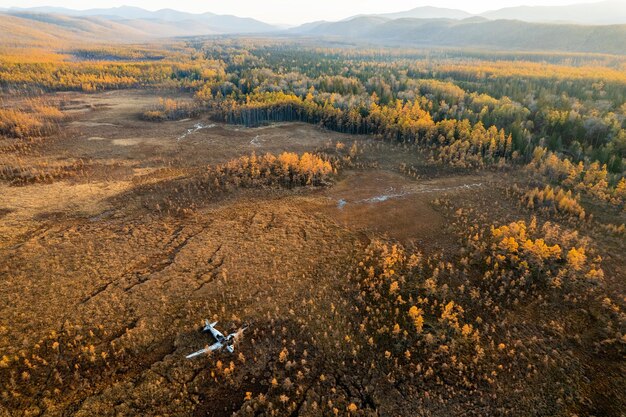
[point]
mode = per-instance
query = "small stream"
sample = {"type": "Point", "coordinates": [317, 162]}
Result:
{"type": "Point", "coordinates": [194, 129]}
{"type": "Point", "coordinates": [256, 141]}
{"type": "Point", "coordinates": [390, 194]}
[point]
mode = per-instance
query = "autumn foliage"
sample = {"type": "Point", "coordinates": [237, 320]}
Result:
{"type": "Point", "coordinates": [36, 118]}
{"type": "Point", "coordinates": [288, 169]}
{"type": "Point", "coordinates": [555, 200]}
{"type": "Point", "coordinates": [168, 109]}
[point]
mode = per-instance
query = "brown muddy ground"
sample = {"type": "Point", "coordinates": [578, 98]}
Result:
{"type": "Point", "coordinates": [110, 295]}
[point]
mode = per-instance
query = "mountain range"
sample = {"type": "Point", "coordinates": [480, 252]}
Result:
{"type": "Point", "coordinates": [473, 32]}
{"type": "Point", "coordinates": [604, 12]}
{"type": "Point", "coordinates": [591, 27]}
{"type": "Point", "coordinates": [611, 12]}
{"type": "Point", "coordinates": [135, 23]}
{"type": "Point", "coordinates": [607, 12]}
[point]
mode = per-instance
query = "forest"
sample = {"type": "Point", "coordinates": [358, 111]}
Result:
{"type": "Point", "coordinates": [405, 231]}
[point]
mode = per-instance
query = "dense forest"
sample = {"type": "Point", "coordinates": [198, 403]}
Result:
{"type": "Point", "coordinates": [562, 114]}
{"type": "Point", "coordinates": [565, 114]}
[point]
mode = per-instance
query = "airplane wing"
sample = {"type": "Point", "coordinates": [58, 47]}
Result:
{"type": "Point", "coordinates": [211, 348]}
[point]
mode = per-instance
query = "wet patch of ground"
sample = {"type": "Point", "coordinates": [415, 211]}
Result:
{"type": "Point", "coordinates": [389, 203]}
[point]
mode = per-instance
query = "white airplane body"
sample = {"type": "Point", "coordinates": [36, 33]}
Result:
{"type": "Point", "coordinates": [221, 341]}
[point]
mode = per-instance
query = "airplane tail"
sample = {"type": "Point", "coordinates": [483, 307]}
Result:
{"type": "Point", "coordinates": [208, 325]}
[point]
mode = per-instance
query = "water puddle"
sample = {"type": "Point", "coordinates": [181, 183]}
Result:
{"type": "Point", "coordinates": [127, 142]}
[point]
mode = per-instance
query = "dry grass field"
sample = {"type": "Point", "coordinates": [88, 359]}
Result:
{"type": "Point", "coordinates": [104, 287]}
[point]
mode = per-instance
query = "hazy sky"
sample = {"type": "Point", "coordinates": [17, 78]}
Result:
{"type": "Point", "coordinates": [293, 11]}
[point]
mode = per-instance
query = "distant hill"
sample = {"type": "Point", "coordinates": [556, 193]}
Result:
{"type": "Point", "coordinates": [42, 30]}
{"type": "Point", "coordinates": [123, 12]}
{"type": "Point", "coordinates": [356, 27]}
{"type": "Point", "coordinates": [497, 34]}
{"type": "Point", "coordinates": [140, 24]}
{"type": "Point", "coordinates": [600, 13]}
{"type": "Point", "coordinates": [607, 12]}
{"type": "Point", "coordinates": [429, 12]}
